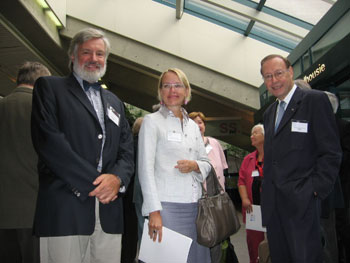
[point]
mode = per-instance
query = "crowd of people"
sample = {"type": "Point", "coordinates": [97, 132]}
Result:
{"type": "Point", "coordinates": [78, 182]}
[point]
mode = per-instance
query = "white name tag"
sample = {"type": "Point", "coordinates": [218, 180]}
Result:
{"type": "Point", "coordinates": [174, 136]}
{"type": "Point", "coordinates": [113, 115]}
{"type": "Point", "coordinates": [299, 126]}
{"type": "Point", "coordinates": [255, 173]}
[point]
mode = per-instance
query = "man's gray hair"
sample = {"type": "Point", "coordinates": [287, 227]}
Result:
{"type": "Point", "coordinates": [333, 99]}
{"type": "Point", "coordinates": [81, 37]}
{"type": "Point", "coordinates": [302, 84]}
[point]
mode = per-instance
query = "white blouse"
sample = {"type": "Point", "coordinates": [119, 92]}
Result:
{"type": "Point", "coordinates": [164, 140]}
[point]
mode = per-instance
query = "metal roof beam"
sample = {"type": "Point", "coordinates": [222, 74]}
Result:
{"type": "Point", "coordinates": [179, 8]}
{"type": "Point", "coordinates": [255, 15]}
{"type": "Point", "coordinates": [261, 5]}
{"type": "Point", "coordinates": [249, 28]}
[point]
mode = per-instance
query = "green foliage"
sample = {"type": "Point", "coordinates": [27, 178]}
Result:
{"type": "Point", "coordinates": [236, 151]}
{"type": "Point", "coordinates": [132, 113]}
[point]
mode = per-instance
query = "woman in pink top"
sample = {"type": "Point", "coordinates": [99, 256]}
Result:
{"type": "Point", "coordinates": [214, 150]}
{"type": "Point", "coordinates": [218, 160]}
{"type": "Point", "coordinates": [249, 186]}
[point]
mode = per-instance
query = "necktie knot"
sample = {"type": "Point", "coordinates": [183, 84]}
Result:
{"type": "Point", "coordinates": [282, 105]}
{"type": "Point", "coordinates": [95, 85]}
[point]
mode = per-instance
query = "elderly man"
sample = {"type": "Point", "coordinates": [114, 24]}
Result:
{"type": "Point", "coordinates": [85, 149]}
{"type": "Point", "coordinates": [19, 177]}
{"type": "Point", "coordinates": [302, 158]}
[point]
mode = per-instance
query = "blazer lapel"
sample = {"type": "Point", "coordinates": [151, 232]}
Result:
{"type": "Point", "coordinates": [292, 108]}
{"type": "Point", "coordinates": [78, 92]}
{"type": "Point", "coordinates": [270, 114]}
{"type": "Point", "coordinates": [105, 103]}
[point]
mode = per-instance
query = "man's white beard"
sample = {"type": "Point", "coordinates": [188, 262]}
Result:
{"type": "Point", "coordinates": [90, 76]}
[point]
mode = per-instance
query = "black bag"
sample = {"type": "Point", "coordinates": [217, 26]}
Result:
{"type": "Point", "coordinates": [217, 217]}
{"type": "Point", "coordinates": [228, 254]}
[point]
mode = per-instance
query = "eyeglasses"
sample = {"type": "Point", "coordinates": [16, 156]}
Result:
{"type": "Point", "coordinates": [255, 133]}
{"type": "Point", "coordinates": [175, 85]}
{"type": "Point", "coordinates": [277, 75]}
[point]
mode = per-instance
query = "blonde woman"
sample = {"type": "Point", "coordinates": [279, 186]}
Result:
{"type": "Point", "coordinates": [172, 164]}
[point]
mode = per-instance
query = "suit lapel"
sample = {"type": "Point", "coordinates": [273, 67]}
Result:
{"type": "Point", "coordinates": [271, 117]}
{"type": "Point", "coordinates": [292, 108]}
{"type": "Point", "coordinates": [78, 92]}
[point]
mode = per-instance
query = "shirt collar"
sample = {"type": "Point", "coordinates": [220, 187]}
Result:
{"type": "Point", "coordinates": [289, 96]}
{"type": "Point", "coordinates": [166, 112]}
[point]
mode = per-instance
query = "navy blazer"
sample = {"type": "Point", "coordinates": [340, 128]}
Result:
{"type": "Point", "coordinates": [67, 137]}
{"type": "Point", "coordinates": [297, 164]}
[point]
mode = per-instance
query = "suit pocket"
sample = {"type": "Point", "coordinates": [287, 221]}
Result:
{"type": "Point", "coordinates": [298, 140]}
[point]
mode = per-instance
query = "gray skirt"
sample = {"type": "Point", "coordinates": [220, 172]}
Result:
{"type": "Point", "coordinates": [181, 217]}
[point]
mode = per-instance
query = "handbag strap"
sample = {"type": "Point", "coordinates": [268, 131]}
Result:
{"type": "Point", "coordinates": [212, 181]}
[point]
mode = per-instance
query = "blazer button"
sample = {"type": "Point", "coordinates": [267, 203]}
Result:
{"type": "Point", "coordinates": [100, 136]}
{"type": "Point", "coordinates": [78, 194]}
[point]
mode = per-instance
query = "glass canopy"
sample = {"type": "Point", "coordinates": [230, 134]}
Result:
{"type": "Point", "coordinates": [280, 23]}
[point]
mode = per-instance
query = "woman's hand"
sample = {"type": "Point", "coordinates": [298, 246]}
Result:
{"type": "Point", "coordinates": [155, 226]}
{"type": "Point", "coordinates": [187, 166]}
{"type": "Point", "coordinates": [247, 205]}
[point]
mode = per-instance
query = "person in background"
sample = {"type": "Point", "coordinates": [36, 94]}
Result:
{"type": "Point", "coordinates": [172, 163]}
{"type": "Point", "coordinates": [331, 202]}
{"type": "Point", "coordinates": [218, 161]}
{"type": "Point", "coordinates": [342, 215]}
{"type": "Point", "coordinates": [335, 208]}
{"type": "Point", "coordinates": [85, 149]}
{"type": "Point", "coordinates": [249, 186]}
{"type": "Point", "coordinates": [302, 156]}
{"type": "Point", "coordinates": [302, 84]}
{"type": "Point", "coordinates": [213, 148]}
{"type": "Point", "coordinates": [137, 197]}
{"type": "Point", "coordinates": [18, 164]}
{"type": "Point", "coordinates": [130, 234]}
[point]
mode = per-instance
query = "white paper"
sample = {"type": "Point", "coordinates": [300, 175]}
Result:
{"type": "Point", "coordinates": [174, 247]}
{"type": "Point", "coordinates": [253, 219]}
{"type": "Point", "coordinates": [255, 173]}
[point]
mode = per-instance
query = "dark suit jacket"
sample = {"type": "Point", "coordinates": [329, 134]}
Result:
{"type": "Point", "coordinates": [298, 164]}
{"type": "Point", "coordinates": [66, 134]}
{"type": "Point", "coordinates": [18, 177]}
{"type": "Point", "coordinates": [344, 173]}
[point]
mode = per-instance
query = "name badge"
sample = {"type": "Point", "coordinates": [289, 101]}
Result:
{"type": "Point", "coordinates": [174, 136]}
{"type": "Point", "coordinates": [113, 115]}
{"type": "Point", "coordinates": [299, 126]}
{"type": "Point", "coordinates": [255, 173]}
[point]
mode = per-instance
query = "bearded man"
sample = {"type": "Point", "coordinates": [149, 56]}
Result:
{"type": "Point", "coordinates": [85, 150]}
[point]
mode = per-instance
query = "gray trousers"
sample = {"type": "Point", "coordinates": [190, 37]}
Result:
{"type": "Point", "coordinates": [100, 247]}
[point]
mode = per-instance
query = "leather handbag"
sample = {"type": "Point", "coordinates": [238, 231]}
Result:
{"type": "Point", "coordinates": [217, 217]}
